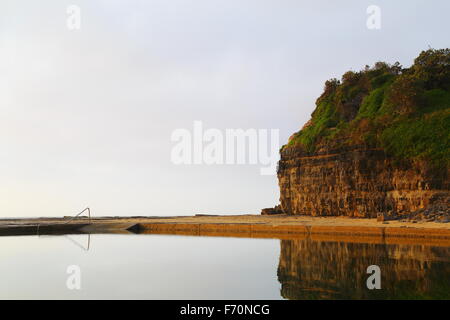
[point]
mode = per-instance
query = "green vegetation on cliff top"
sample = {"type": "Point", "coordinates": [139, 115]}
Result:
{"type": "Point", "coordinates": [405, 111]}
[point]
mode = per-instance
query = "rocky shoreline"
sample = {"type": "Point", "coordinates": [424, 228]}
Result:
{"type": "Point", "coordinates": [437, 211]}
{"type": "Point", "coordinates": [247, 226]}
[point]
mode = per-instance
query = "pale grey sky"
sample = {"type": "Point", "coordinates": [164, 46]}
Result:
{"type": "Point", "coordinates": [86, 116]}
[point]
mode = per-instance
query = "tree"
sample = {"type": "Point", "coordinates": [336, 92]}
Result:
{"type": "Point", "coordinates": [432, 68]}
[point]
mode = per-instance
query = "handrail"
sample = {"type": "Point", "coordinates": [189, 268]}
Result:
{"type": "Point", "coordinates": [89, 215]}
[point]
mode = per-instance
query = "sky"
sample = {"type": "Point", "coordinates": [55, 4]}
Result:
{"type": "Point", "coordinates": [87, 115]}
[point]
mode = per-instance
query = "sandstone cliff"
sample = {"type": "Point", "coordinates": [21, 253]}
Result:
{"type": "Point", "coordinates": [356, 182]}
{"type": "Point", "coordinates": [378, 142]}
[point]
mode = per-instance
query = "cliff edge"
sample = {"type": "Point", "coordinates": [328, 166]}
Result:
{"type": "Point", "coordinates": [378, 143]}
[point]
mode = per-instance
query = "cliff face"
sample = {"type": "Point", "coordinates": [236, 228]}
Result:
{"type": "Point", "coordinates": [377, 142]}
{"type": "Point", "coordinates": [356, 182]}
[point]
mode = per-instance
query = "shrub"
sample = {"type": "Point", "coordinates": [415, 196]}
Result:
{"type": "Point", "coordinates": [404, 111]}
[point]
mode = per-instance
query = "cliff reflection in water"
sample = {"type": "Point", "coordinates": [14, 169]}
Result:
{"type": "Point", "coordinates": [337, 270]}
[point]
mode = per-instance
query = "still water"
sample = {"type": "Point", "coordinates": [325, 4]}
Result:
{"type": "Point", "coordinates": [179, 267]}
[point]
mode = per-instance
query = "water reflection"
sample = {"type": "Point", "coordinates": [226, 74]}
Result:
{"type": "Point", "coordinates": [148, 266]}
{"type": "Point", "coordinates": [337, 270]}
{"type": "Point", "coordinates": [139, 267]}
{"type": "Point", "coordinates": [84, 247]}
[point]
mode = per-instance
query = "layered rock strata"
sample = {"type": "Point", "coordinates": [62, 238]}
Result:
{"type": "Point", "coordinates": [356, 182]}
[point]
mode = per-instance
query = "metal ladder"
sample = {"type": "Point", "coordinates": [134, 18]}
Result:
{"type": "Point", "coordinates": [71, 219]}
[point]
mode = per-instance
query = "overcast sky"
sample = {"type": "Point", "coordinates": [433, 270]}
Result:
{"type": "Point", "coordinates": [86, 116]}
